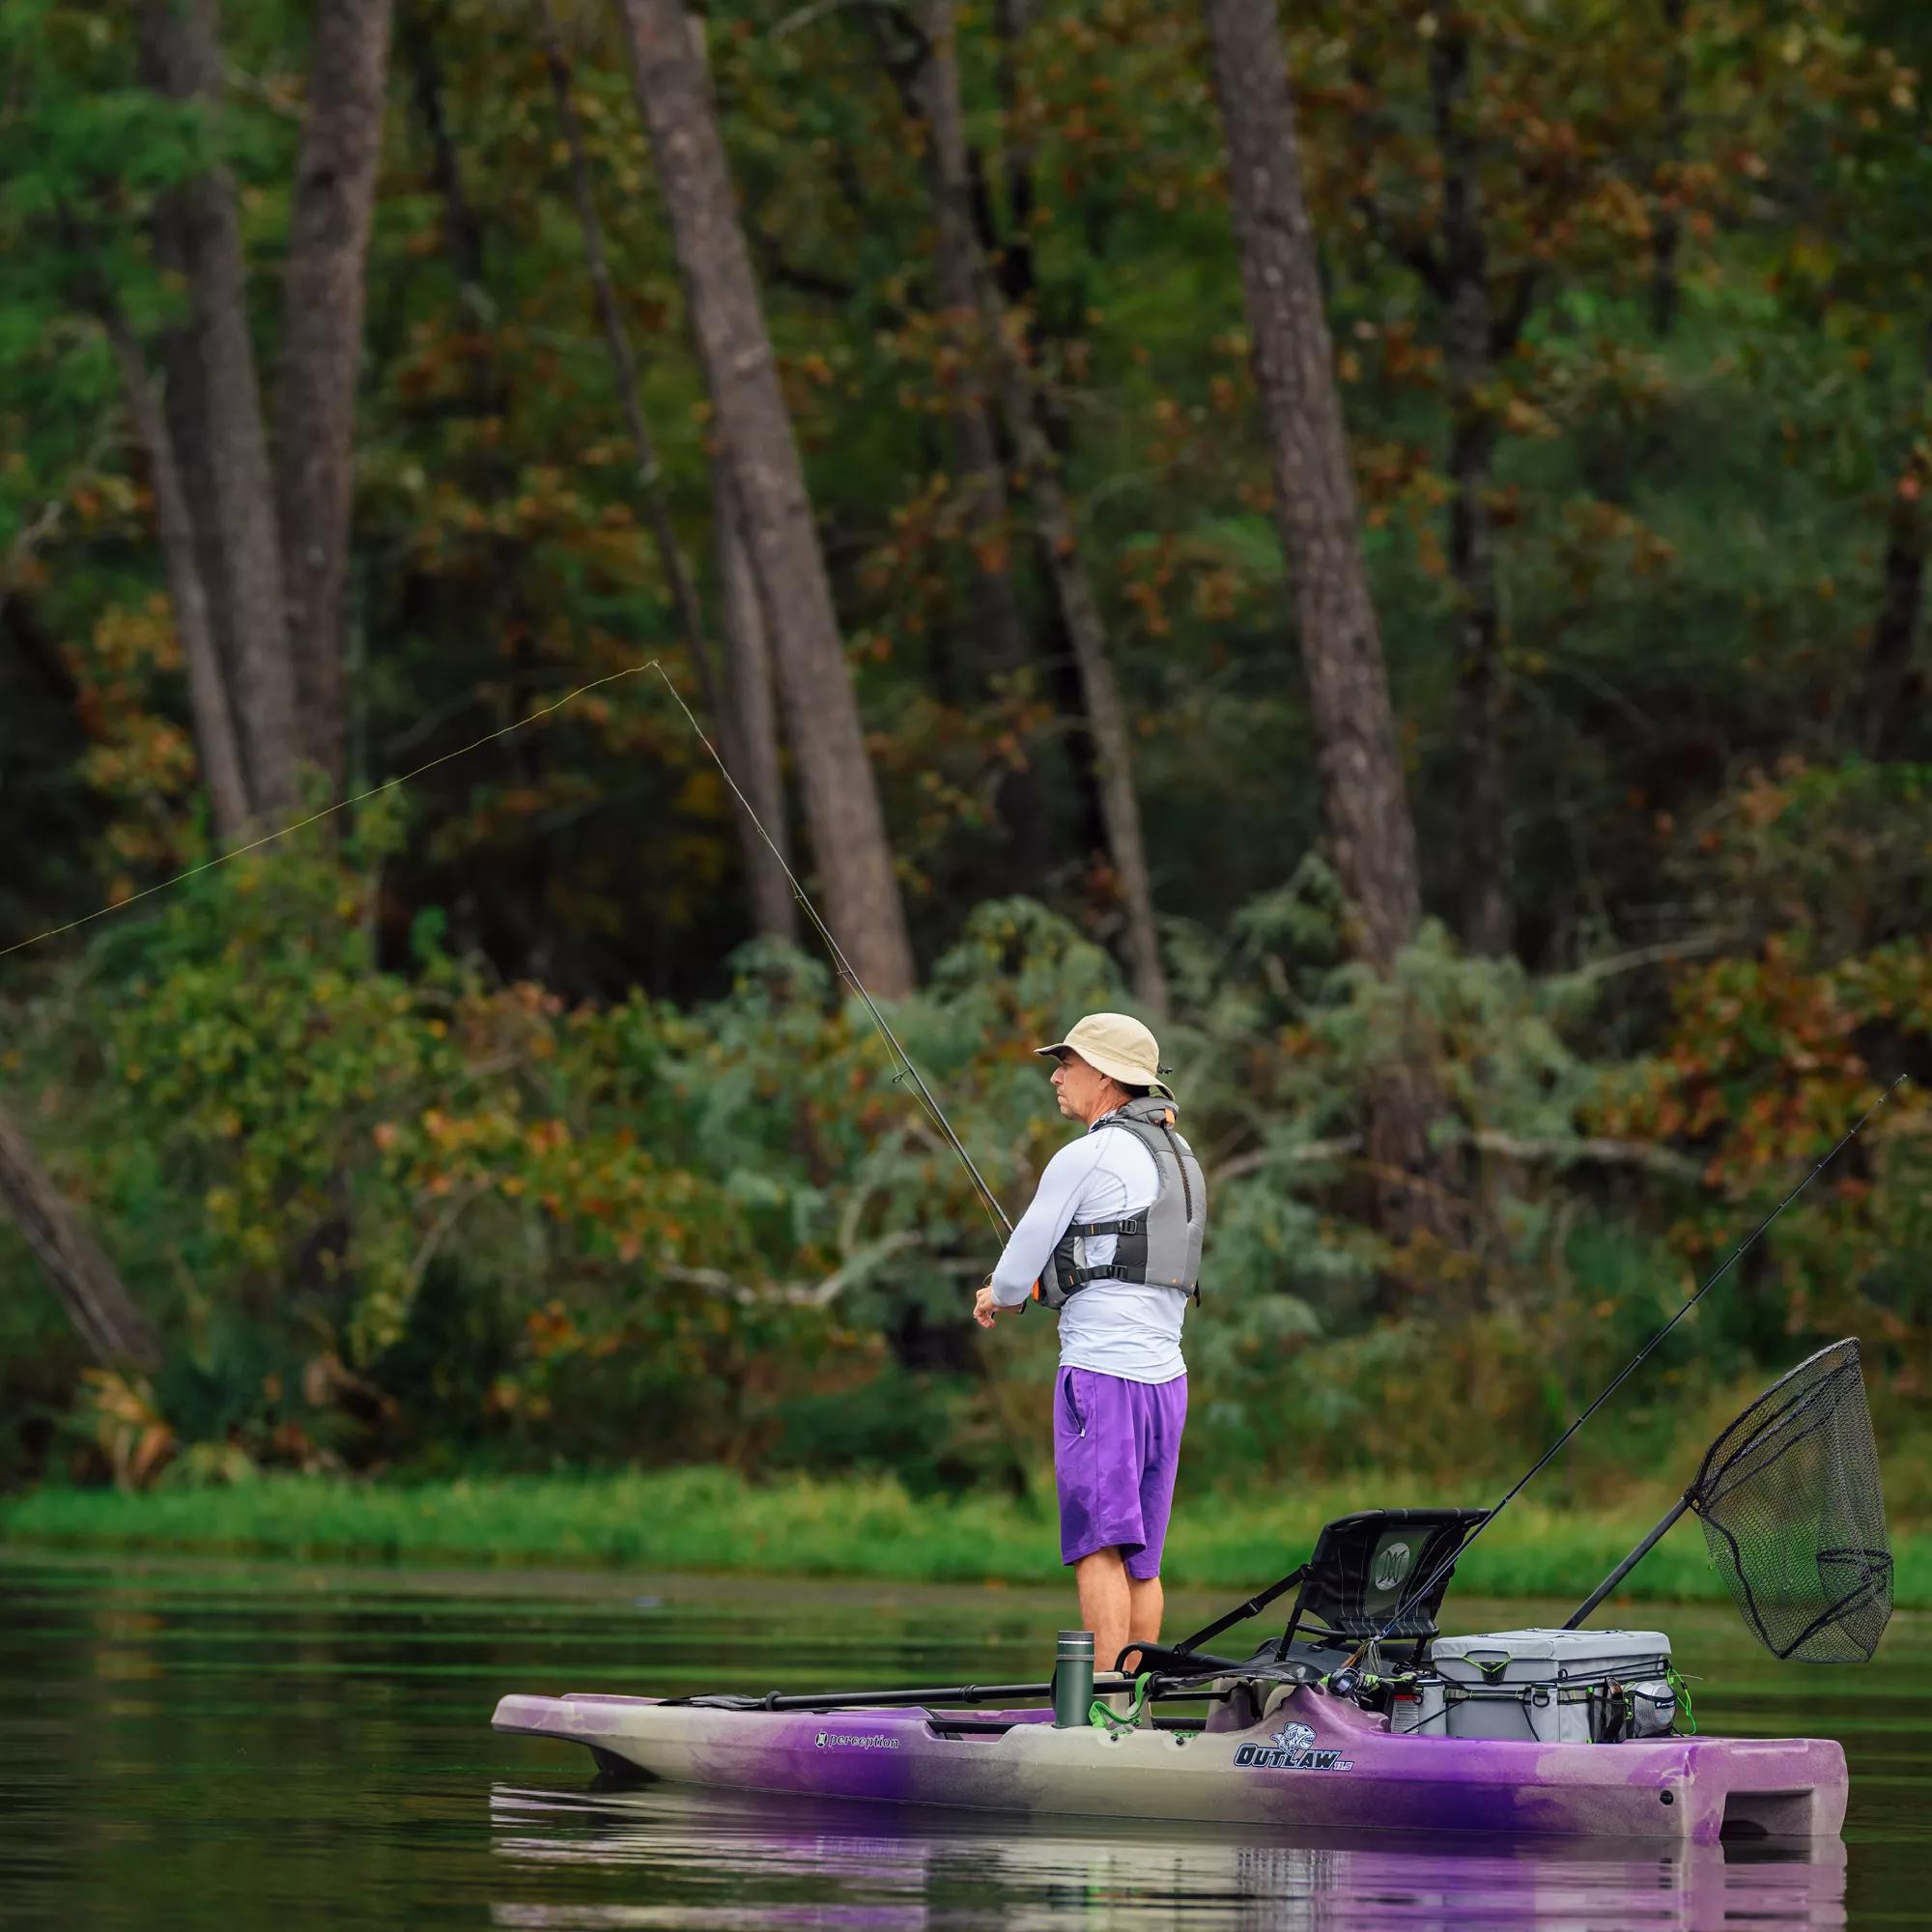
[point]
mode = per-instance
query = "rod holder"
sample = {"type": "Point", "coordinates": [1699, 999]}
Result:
{"type": "Point", "coordinates": [1072, 1679]}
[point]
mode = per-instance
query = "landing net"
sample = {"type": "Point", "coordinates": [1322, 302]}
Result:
{"type": "Point", "coordinates": [1794, 1516]}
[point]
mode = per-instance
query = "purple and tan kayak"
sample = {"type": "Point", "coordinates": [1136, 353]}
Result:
{"type": "Point", "coordinates": [1315, 1760]}
{"type": "Point", "coordinates": [1361, 1713]}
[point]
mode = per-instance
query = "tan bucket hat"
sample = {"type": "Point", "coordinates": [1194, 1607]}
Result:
{"type": "Point", "coordinates": [1119, 1046]}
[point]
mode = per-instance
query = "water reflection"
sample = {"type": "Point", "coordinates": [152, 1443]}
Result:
{"type": "Point", "coordinates": [707, 1860]}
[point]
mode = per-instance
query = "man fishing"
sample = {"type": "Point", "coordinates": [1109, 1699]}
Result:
{"type": "Point", "coordinates": [1112, 1240]}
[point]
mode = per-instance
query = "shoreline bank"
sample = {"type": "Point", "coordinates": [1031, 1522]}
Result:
{"type": "Point", "coordinates": [716, 1521]}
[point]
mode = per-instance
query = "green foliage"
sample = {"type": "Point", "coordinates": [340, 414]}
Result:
{"type": "Point", "coordinates": [414, 1213]}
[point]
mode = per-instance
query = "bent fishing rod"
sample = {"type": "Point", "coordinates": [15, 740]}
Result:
{"type": "Point", "coordinates": [1440, 1575]}
{"type": "Point", "coordinates": [844, 967]}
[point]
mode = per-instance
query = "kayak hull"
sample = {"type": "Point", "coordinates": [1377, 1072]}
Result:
{"type": "Point", "coordinates": [1314, 1761]}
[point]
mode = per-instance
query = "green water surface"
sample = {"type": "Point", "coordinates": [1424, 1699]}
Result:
{"type": "Point", "coordinates": [209, 1746]}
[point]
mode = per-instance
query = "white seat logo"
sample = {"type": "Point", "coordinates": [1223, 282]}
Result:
{"type": "Point", "coordinates": [1391, 1566]}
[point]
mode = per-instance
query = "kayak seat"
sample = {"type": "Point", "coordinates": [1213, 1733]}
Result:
{"type": "Point", "coordinates": [1380, 1573]}
{"type": "Point", "coordinates": [1377, 1573]}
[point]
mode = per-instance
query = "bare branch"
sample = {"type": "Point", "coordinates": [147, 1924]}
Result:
{"type": "Point", "coordinates": [1597, 1150]}
{"type": "Point", "coordinates": [1310, 1154]}
{"type": "Point", "coordinates": [899, 16]}
{"type": "Point", "coordinates": [1561, 1151]}
{"type": "Point", "coordinates": [1699, 946]}
{"type": "Point", "coordinates": [795, 1293]}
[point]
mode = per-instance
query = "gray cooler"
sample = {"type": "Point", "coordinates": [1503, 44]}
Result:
{"type": "Point", "coordinates": [1555, 1685]}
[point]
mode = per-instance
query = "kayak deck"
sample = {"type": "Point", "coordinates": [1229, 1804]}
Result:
{"type": "Point", "coordinates": [1313, 1761]}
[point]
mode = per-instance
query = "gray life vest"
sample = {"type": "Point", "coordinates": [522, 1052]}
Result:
{"type": "Point", "coordinates": [1160, 1245]}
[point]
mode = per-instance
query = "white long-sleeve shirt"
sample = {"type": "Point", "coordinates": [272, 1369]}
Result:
{"type": "Point", "coordinates": [1124, 1328]}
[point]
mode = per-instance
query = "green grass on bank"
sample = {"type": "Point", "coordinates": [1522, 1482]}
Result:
{"type": "Point", "coordinates": [713, 1519]}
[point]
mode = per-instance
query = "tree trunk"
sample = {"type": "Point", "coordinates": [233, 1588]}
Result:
{"type": "Point", "coordinates": [1666, 223]}
{"type": "Point", "coordinates": [183, 56]}
{"type": "Point", "coordinates": [834, 768]}
{"type": "Point", "coordinates": [739, 698]}
{"type": "Point", "coordinates": [214, 719]}
{"type": "Point", "coordinates": [748, 719]}
{"type": "Point", "coordinates": [322, 350]}
{"type": "Point", "coordinates": [1010, 20]}
{"type": "Point", "coordinates": [185, 411]}
{"type": "Point", "coordinates": [463, 233]}
{"type": "Point", "coordinates": [624, 370]}
{"type": "Point", "coordinates": [21, 627]}
{"type": "Point", "coordinates": [1106, 721]}
{"type": "Point", "coordinates": [1314, 495]}
{"type": "Point", "coordinates": [77, 1269]}
{"type": "Point", "coordinates": [1058, 530]}
{"type": "Point", "coordinates": [1471, 366]}
{"type": "Point", "coordinates": [1371, 833]}
{"type": "Point", "coordinates": [1889, 660]}
{"type": "Point", "coordinates": [997, 625]}
{"type": "Point", "coordinates": [1902, 598]}
{"type": "Point", "coordinates": [955, 278]}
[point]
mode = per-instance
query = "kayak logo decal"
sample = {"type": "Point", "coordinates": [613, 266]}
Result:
{"type": "Point", "coordinates": [856, 1741]}
{"type": "Point", "coordinates": [1391, 1566]}
{"type": "Point", "coordinates": [1292, 1749]}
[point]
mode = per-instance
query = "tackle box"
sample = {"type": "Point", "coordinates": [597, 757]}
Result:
{"type": "Point", "coordinates": [1553, 1685]}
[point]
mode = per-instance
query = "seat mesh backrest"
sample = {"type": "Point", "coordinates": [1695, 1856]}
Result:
{"type": "Point", "coordinates": [1366, 1566]}
{"type": "Point", "coordinates": [1794, 1516]}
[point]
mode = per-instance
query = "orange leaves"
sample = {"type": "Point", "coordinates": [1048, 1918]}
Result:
{"type": "Point", "coordinates": [1150, 573]}
{"type": "Point", "coordinates": [1894, 984]}
{"type": "Point", "coordinates": [549, 1329]}
{"type": "Point", "coordinates": [1762, 1064]}
{"type": "Point", "coordinates": [1762, 802]}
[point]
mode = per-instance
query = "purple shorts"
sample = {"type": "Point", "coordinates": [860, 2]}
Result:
{"type": "Point", "coordinates": [1115, 1446]}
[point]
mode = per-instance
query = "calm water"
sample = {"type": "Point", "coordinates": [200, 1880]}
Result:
{"type": "Point", "coordinates": [215, 1746]}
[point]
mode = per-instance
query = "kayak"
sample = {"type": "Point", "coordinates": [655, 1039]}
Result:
{"type": "Point", "coordinates": [1361, 1713]}
{"type": "Point", "coordinates": [1314, 1760]}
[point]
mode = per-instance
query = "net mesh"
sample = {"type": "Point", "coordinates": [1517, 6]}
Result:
{"type": "Point", "coordinates": [1794, 1516]}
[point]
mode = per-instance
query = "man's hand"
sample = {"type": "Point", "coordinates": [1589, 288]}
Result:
{"type": "Point", "coordinates": [985, 1310]}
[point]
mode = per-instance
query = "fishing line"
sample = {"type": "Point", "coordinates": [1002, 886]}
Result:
{"type": "Point", "coordinates": [844, 966]}
{"type": "Point", "coordinates": [925, 1093]}
{"type": "Point", "coordinates": [315, 817]}
{"type": "Point", "coordinates": [1420, 1595]}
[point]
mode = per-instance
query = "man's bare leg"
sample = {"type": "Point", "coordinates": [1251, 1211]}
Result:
{"type": "Point", "coordinates": [1105, 1604]}
{"type": "Point", "coordinates": [1145, 1604]}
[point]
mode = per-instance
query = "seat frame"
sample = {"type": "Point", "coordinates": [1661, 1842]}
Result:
{"type": "Point", "coordinates": [1308, 1647]}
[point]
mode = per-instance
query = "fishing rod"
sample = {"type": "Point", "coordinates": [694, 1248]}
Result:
{"type": "Point", "coordinates": [839, 959]}
{"type": "Point", "coordinates": [1440, 1575]}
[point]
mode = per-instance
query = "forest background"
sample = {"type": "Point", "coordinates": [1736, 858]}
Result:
{"type": "Point", "coordinates": [1515, 818]}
